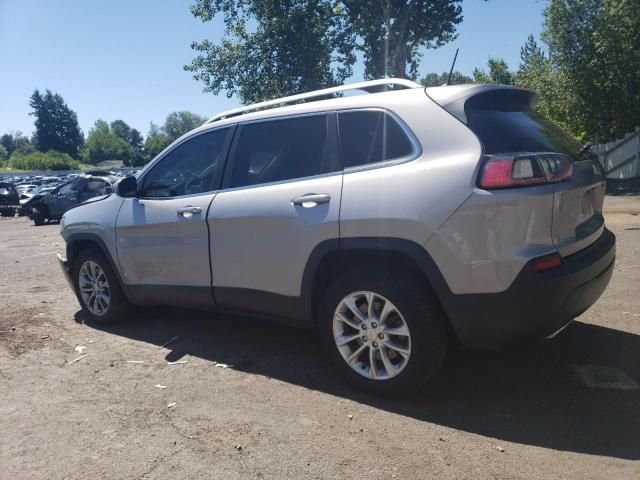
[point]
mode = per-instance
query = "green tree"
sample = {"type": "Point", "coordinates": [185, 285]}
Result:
{"type": "Point", "coordinates": [273, 48]}
{"type": "Point", "coordinates": [179, 123]}
{"type": "Point", "coordinates": [4, 155]}
{"type": "Point", "coordinates": [133, 137]}
{"type": "Point", "coordinates": [155, 142]}
{"type": "Point", "coordinates": [435, 80]}
{"type": "Point", "coordinates": [8, 143]}
{"type": "Point", "coordinates": [391, 33]}
{"type": "Point", "coordinates": [295, 46]}
{"type": "Point", "coordinates": [120, 129]}
{"type": "Point", "coordinates": [537, 73]}
{"type": "Point", "coordinates": [56, 124]}
{"type": "Point", "coordinates": [498, 73]}
{"type": "Point", "coordinates": [16, 142]}
{"type": "Point", "coordinates": [103, 144]}
{"type": "Point", "coordinates": [595, 46]}
{"type": "Point", "coordinates": [136, 141]}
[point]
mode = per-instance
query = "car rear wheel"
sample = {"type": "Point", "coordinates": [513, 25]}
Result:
{"type": "Point", "coordinates": [98, 289]}
{"type": "Point", "coordinates": [385, 332]}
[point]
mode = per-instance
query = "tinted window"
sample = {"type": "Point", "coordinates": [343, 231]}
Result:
{"type": "Point", "coordinates": [519, 131]}
{"type": "Point", "coordinates": [369, 137]}
{"type": "Point", "coordinates": [187, 169]}
{"type": "Point", "coordinates": [279, 150]}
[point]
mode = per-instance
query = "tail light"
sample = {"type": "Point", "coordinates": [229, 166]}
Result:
{"type": "Point", "coordinates": [511, 171]}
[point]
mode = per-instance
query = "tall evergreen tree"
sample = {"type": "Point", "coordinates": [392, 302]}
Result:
{"type": "Point", "coordinates": [56, 124]}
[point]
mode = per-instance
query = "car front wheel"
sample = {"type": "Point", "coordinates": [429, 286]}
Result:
{"type": "Point", "coordinates": [98, 289]}
{"type": "Point", "coordinates": [384, 331]}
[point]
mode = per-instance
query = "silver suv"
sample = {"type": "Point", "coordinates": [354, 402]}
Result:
{"type": "Point", "coordinates": [394, 222]}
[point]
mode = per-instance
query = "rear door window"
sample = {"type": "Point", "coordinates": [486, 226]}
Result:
{"type": "Point", "coordinates": [283, 149]}
{"type": "Point", "coordinates": [371, 136]}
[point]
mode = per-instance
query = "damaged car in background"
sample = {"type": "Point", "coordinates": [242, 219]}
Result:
{"type": "Point", "coordinates": [50, 205]}
{"type": "Point", "coordinates": [9, 199]}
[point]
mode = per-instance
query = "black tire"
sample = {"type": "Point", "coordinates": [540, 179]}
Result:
{"type": "Point", "coordinates": [119, 306]}
{"type": "Point", "coordinates": [37, 217]}
{"type": "Point", "coordinates": [422, 313]}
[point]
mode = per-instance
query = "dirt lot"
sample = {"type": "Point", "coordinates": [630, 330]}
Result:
{"type": "Point", "coordinates": [277, 411]}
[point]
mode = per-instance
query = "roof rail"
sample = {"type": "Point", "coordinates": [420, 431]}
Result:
{"type": "Point", "coordinates": [370, 86]}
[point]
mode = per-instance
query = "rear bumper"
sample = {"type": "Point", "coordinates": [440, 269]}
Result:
{"type": "Point", "coordinates": [536, 304]}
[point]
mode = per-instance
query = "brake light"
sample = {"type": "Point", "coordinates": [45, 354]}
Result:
{"type": "Point", "coordinates": [524, 170]}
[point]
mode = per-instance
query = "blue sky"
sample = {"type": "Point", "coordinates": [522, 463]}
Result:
{"type": "Point", "coordinates": [123, 58]}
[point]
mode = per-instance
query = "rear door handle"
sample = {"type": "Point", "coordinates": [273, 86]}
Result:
{"type": "Point", "coordinates": [311, 199]}
{"type": "Point", "coordinates": [188, 211]}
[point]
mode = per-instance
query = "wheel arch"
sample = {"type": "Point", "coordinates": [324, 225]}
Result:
{"type": "Point", "coordinates": [334, 257]}
{"type": "Point", "coordinates": [79, 242]}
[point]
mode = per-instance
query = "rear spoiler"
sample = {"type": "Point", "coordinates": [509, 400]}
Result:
{"type": "Point", "coordinates": [456, 99]}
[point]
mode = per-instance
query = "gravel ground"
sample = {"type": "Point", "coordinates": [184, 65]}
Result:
{"type": "Point", "coordinates": [277, 411]}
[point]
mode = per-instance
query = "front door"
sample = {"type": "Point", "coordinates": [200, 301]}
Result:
{"type": "Point", "coordinates": [162, 234]}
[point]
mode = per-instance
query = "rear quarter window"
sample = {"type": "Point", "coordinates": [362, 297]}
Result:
{"type": "Point", "coordinates": [370, 136]}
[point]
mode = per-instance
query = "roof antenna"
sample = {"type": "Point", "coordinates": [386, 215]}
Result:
{"type": "Point", "coordinates": [452, 65]}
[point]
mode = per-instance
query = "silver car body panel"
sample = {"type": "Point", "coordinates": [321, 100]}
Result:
{"type": "Point", "coordinates": [157, 245]}
{"type": "Point", "coordinates": [487, 241]}
{"type": "Point", "coordinates": [411, 200]}
{"type": "Point", "coordinates": [577, 210]}
{"type": "Point", "coordinates": [260, 240]}
{"type": "Point", "coordinates": [96, 219]}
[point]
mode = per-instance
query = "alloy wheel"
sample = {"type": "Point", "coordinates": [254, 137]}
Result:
{"type": "Point", "coordinates": [372, 335]}
{"type": "Point", "coordinates": [94, 288]}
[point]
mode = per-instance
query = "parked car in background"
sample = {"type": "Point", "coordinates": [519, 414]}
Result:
{"type": "Point", "coordinates": [26, 197]}
{"type": "Point", "coordinates": [9, 199]}
{"type": "Point", "coordinates": [24, 189]}
{"type": "Point", "coordinates": [50, 205]}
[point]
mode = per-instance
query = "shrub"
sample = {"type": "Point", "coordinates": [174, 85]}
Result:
{"type": "Point", "coordinates": [50, 160]}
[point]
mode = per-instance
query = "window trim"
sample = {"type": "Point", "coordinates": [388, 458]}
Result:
{"type": "Point", "coordinates": [415, 144]}
{"type": "Point", "coordinates": [217, 179]}
{"type": "Point", "coordinates": [332, 139]}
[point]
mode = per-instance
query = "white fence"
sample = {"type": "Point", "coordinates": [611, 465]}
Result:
{"type": "Point", "coordinates": [621, 158]}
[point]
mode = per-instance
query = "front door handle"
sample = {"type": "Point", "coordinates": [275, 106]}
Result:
{"type": "Point", "coordinates": [188, 211]}
{"type": "Point", "coordinates": [311, 199]}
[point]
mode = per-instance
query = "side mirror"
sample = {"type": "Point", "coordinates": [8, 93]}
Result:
{"type": "Point", "coordinates": [127, 187]}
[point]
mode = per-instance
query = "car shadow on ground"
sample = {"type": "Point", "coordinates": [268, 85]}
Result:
{"type": "Point", "coordinates": [527, 395]}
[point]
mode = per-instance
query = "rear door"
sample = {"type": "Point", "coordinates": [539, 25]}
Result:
{"type": "Point", "coordinates": [511, 127]}
{"type": "Point", "coordinates": [281, 199]}
{"type": "Point", "coordinates": [162, 234]}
